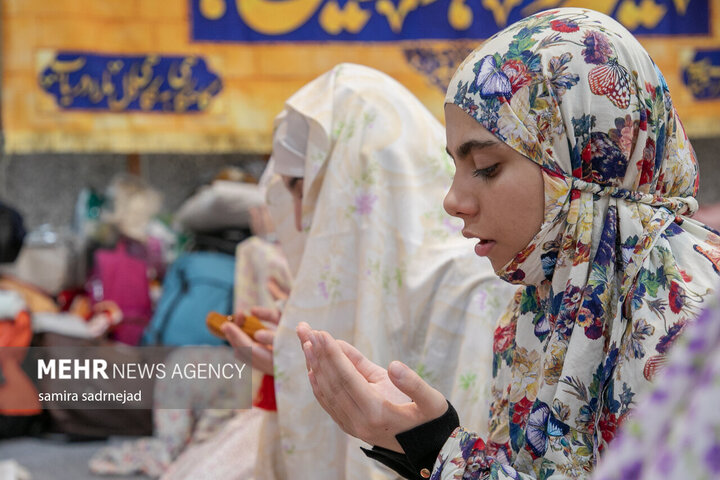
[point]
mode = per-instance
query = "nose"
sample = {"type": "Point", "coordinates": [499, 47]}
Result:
{"type": "Point", "coordinates": [458, 201]}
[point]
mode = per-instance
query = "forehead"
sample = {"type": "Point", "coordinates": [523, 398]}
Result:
{"type": "Point", "coordinates": [461, 127]}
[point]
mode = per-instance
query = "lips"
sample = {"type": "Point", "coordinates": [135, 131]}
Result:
{"type": "Point", "coordinates": [482, 249]}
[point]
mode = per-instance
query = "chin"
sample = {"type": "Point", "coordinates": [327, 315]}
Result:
{"type": "Point", "coordinates": [499, 263]}
{"type": "Point", "coordinates": [496, 265]}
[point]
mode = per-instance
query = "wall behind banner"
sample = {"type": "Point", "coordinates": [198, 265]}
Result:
{"type": "Point", "coordinates": [210, 75]}
{"type": "Point", "coordinates": [44, 187]}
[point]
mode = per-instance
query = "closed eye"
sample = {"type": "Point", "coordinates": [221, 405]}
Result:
{"type": "Point", "coordinates": [486, 173]}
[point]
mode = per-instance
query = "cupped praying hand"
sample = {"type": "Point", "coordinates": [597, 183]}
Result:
{"type": "Point", "coordinates": [364, 399]}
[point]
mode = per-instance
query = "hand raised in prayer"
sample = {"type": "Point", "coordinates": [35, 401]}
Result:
{"type": "Point", "coordinates": [364, 399]}
{"type": "Point", "coordinates": [260, 345]}
{"type": "Point", "coordinates": [277, 290]}
{"type": "Point", "coordinates": [261, 223]}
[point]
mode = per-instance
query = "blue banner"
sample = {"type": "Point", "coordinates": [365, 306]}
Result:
{"type": "Point", "coordinates": [395, 20]}
{"type": "Point", "coordinates": [120, 83]}
{"type": "Point", "coordinates": [702, 75]}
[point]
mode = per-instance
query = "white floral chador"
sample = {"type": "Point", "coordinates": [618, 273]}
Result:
{"type": "Point", "coordinates": [384, 267]}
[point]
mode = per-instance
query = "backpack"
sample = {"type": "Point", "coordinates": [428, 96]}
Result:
{"type": "Point", "coordinates": [124, 281]}
{"type": "Point", "coordinates": [195, 284]}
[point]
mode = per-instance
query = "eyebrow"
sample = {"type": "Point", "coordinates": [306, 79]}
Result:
{"type": "Point", "coordinates": [470, 145]}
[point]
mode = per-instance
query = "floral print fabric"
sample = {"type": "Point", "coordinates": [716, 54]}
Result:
{"type": "Point", "coordinates": [383, 267]}
{"type": "Point", "coordinates": [673, 433]}
{"type": "Point", "coordinates": [617, 269]}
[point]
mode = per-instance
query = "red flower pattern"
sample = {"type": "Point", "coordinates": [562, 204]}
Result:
{"type": "Point", "coordinates": [517, 73]}
{"type": "Point", "coordinates": [608, 426]}
{"type": "Point", "coordinates": [504, 338]}
{"type": "Point", "coordinates": [565, 26]}
{"type": "Point", "coordinates": [646, 164]}
{"type": "Point", "coordinates": [521, 410]}
{"type": "Point", "coordinates": [676, 298]}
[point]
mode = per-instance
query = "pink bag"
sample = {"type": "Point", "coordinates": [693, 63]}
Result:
{"type": "Point", "coordinates": [124, 281]}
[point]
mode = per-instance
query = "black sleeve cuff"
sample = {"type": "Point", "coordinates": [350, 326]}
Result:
{"type": "Point", "coordinates": [394, 460]}
{"type": "Point", "coordinates": [421, 444]}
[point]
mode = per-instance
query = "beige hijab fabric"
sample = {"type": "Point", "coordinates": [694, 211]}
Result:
{"type": "Point", "coordinates": [383, 267]}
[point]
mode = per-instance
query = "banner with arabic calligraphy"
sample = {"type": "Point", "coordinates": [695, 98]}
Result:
{"type": "Point", "coordinates": [123, 83]}
{"type": "Point", "coordinates": [210, 75]}
{"type": "Point", "coordinates": [387, 21]}
{"type": "Point", "coordinates": [702, 75]}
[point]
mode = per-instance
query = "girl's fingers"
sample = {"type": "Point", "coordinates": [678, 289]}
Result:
{"type": "Point", "coordinates": [428, 400]}
{"type": "Point", "coordinates": [337, 375]}
{"type": "Point", "coordinates": [277, 291]}
{"type": "Point", "coordinates": [371, 371]}
{"type": "Point", "coordinates": [235, 335]}
{"type": "Point", "coordinates": [265, 337]}
{"type": "Point", "coordinates": [265, 314]}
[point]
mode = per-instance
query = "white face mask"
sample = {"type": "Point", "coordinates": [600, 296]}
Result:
{"type": "Point", "coordinates": [290, 143]}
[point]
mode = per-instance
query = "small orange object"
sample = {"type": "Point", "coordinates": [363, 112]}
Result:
{"type": "Point", "coordinates": [250, 325]}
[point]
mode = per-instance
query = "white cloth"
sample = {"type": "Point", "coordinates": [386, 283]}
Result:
{"type": "Point", "coordinates": [11, 303]}
{"type": "Point", "coordinates": [256, 263]}
{"type": "Point", "coordinates": [290, 143]}
{"type": "Point", "coordinates": [12, 470]}
{"type": "Point", "coordinates": [70, 325]}
{"type": "Point", "coordinates": [384, 267]}
{"type": "Point", "coordinates": [222, 204]}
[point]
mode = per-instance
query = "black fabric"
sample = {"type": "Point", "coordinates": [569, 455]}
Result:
{"type": "Point", "coordinates": [223, 241]}
{"type": "Point", "coordinates": [22, 425]}
{"type": "Point", "coordinates": [12, 234]}
{"type": "Point", "coordinates": [421, 444]}
{"type": "Point", "coordinates": [394, 460]}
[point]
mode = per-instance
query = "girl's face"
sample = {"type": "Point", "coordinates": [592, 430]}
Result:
{"type": "Point", "coordinates": [496, 191]}
{"type": "Point", "coordinates": [295, 187]}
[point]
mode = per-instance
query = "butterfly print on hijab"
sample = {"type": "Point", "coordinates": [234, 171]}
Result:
{"type": "Point", "coordinates": [541, 425]}
{"type": "Point", "coordinates": [491, 81]}
{"type": "Point", "coordinates": [612, 80]}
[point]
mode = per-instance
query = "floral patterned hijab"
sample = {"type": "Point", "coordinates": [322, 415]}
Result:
{"type": "Point", "coordinates": [384, 267]}
{"type": "Point", "coordinates": [617, 268]}
{"type": "Point", "coordinates": [675, 430]}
